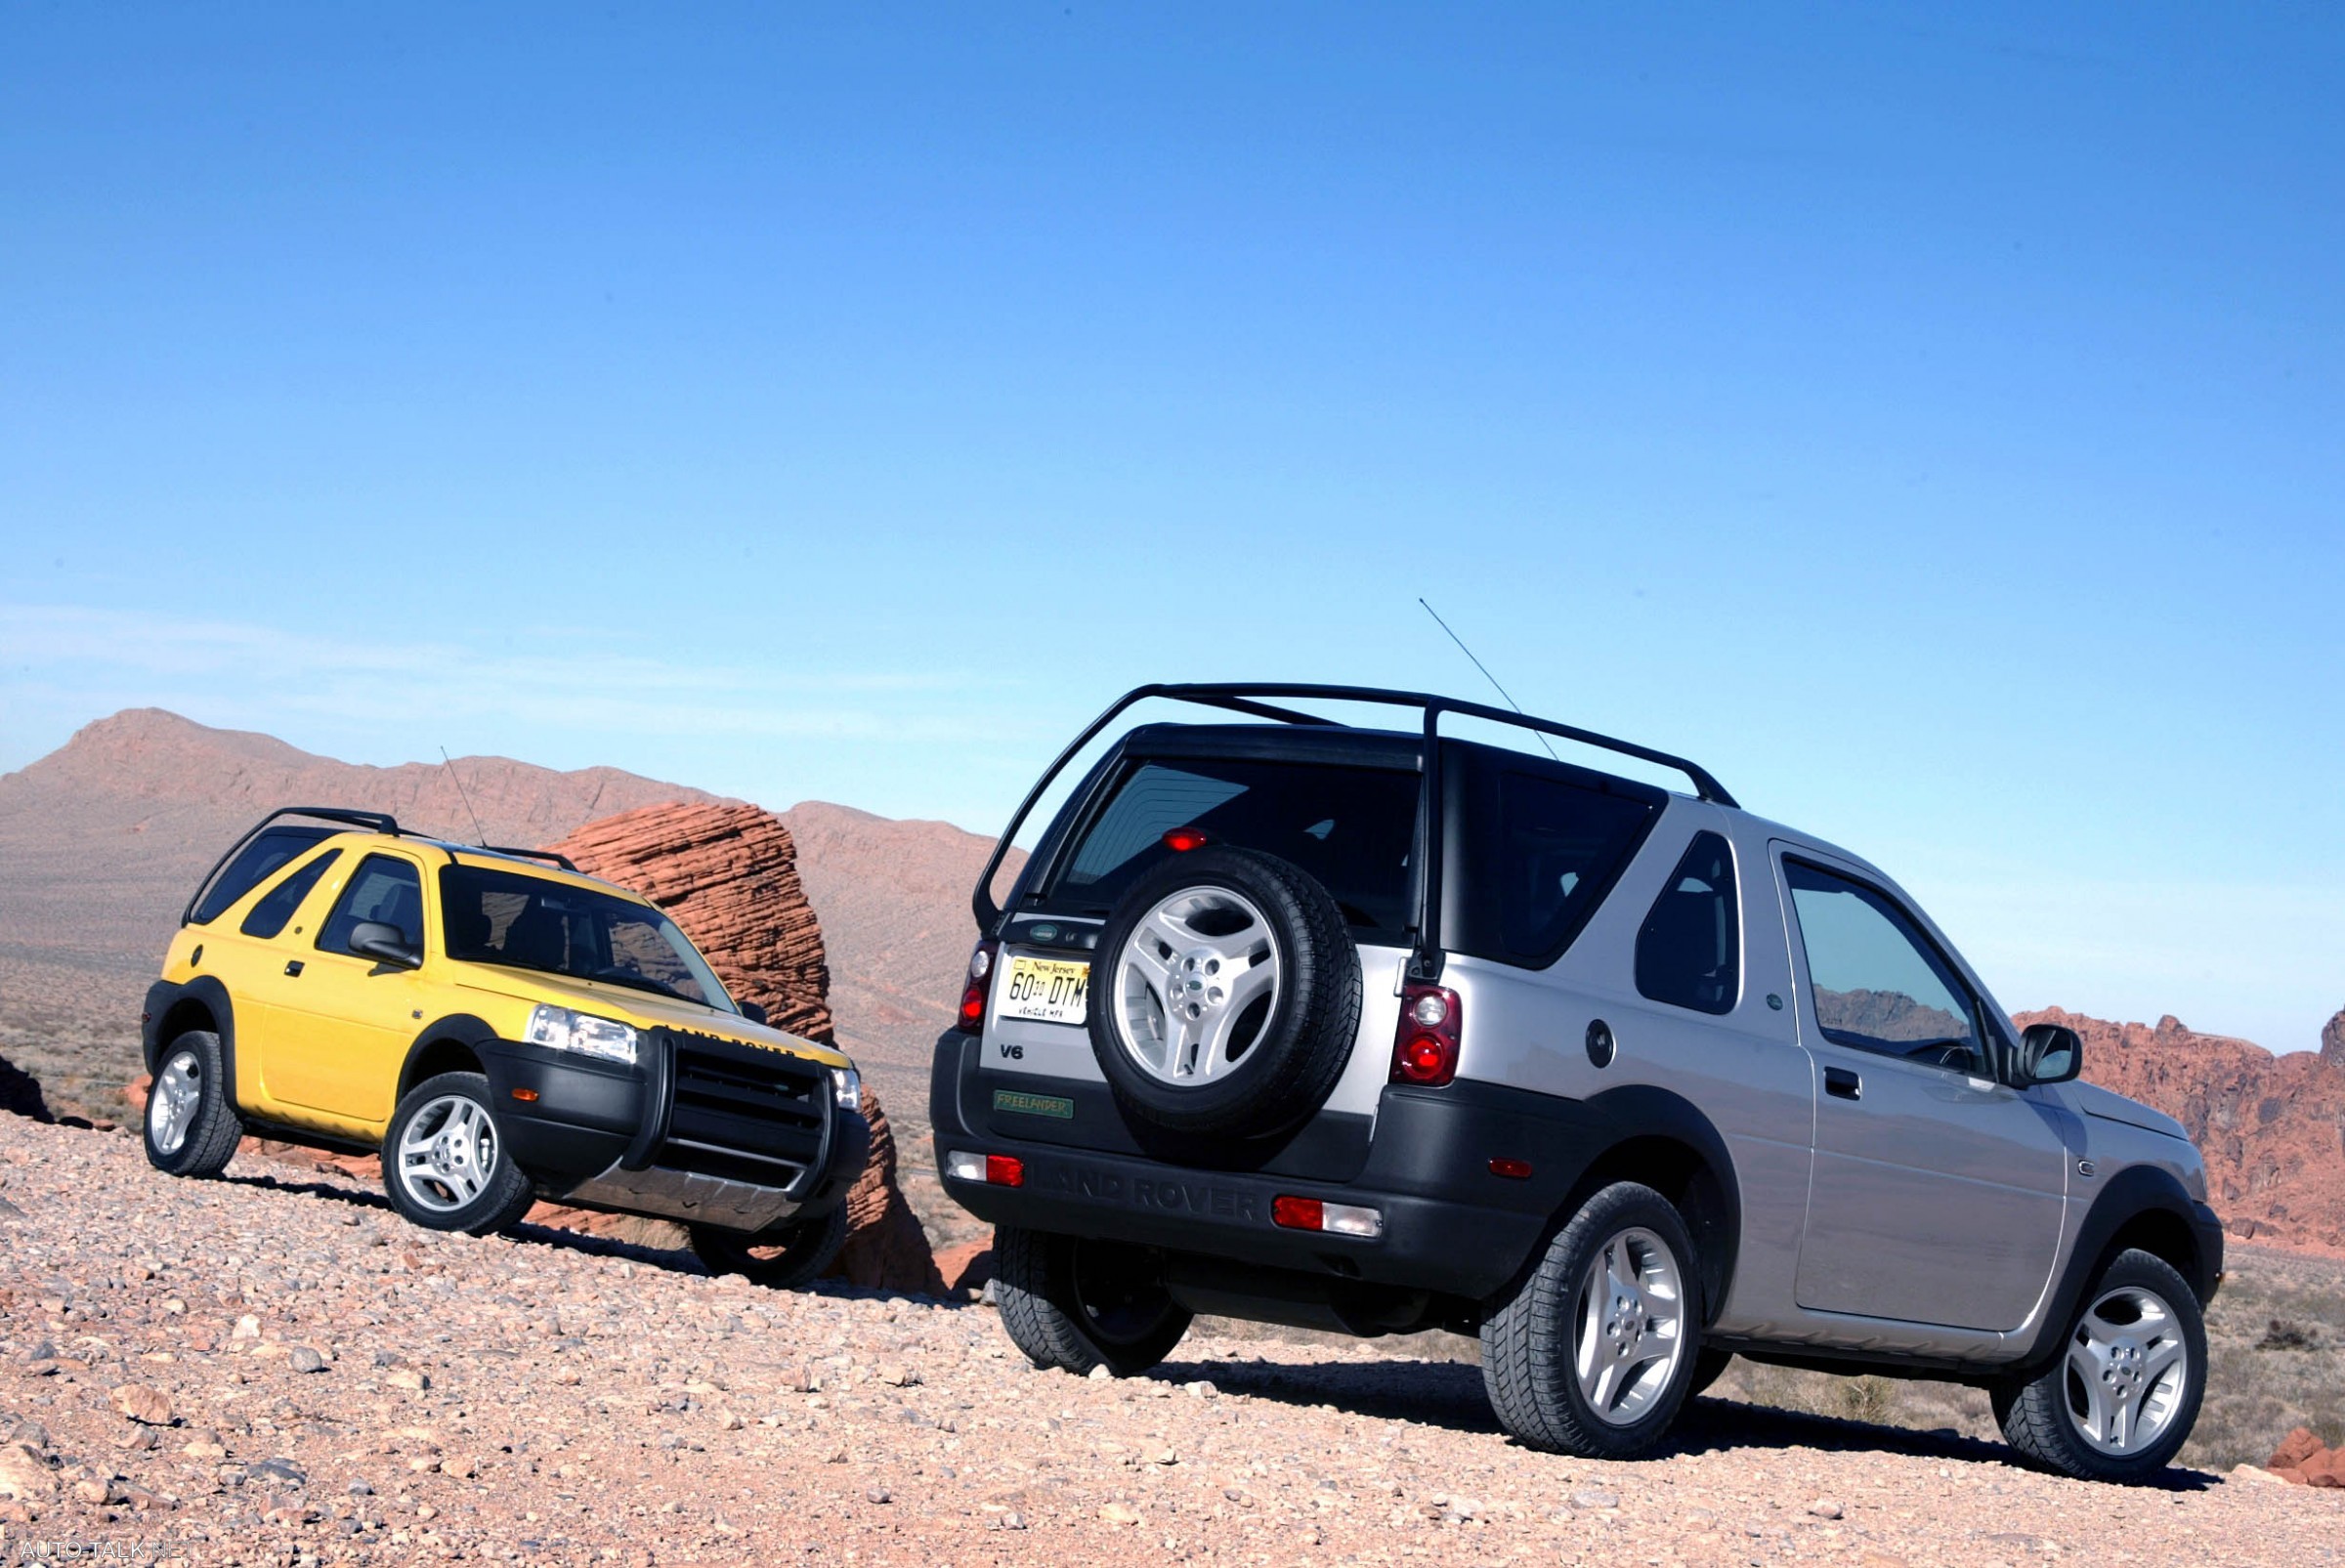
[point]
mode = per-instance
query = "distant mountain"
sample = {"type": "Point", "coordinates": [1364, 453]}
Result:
{"type": "Point", "coordinates": [2272, 1127]}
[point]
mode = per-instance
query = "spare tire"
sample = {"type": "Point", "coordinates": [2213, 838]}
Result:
{"type": "Point", "coordinates": [1228, 996]}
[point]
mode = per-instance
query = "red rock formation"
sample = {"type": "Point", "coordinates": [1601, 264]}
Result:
{"type": "Point", "coordinates": [967, 1265]}
{"type": "Point", "coordinates": [2272, 1127]}
{"type": "Point", "coordinates": [728, 876]}
{"type": "Point", "coordinates": [2305, 1459]}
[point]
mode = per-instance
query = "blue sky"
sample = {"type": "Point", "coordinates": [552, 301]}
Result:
{"type": "Point", "coordinates": [1930, 420]}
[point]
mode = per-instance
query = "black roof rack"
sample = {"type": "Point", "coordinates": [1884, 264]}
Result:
{"type": "Point", "coordinates": [1265, 702]}
{"type": "Point", "coordinates": [554, 856]}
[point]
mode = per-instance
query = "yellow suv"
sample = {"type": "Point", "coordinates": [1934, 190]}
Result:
{"type": "Point", "coordinates": [499, 1028]}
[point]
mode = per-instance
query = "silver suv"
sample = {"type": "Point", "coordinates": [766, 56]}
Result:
{"type": "Point", "coordinates": [1383, 1029]}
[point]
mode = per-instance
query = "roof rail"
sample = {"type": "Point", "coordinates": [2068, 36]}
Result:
{"type": "Point", "coordinates": [1250, 698]}
{"type": "Point", "coordinates": [376, 821]}
{"type": "Point", "coordinates": [553, 855]}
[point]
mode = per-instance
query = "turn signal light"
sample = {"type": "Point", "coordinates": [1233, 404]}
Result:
{"type": "Point", "coordinates": [1180, 840]}
{"type": "Point", "coordinates": [979, 985]}
{"type": "Point", "coordinates": [1424, 1047]}
{"type": "Point", "coordinates": [525, 1096]}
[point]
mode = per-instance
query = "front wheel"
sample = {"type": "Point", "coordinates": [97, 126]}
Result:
{"type": "Point", "coordinates": [1595, 1350]}
{"type": "Point", "coordinates": [192, 1130]}
{"type": "Point", "coordinates": [2121, 1399]}
{"type": "Point", "coordinates": [444, 1163]}
{"type": "Point", "coordinates": [1077, 1304]}
{"type": "Point", "coordinates": [784, 1257]}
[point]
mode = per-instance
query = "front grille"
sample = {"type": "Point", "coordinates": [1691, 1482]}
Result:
{"type": "Point", "coordinates": [741, 1113]}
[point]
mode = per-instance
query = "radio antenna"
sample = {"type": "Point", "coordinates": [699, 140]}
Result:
{"type": "Point", "coordinates": [1487, 675]}
{"type": "Point", "coordinates": [482, 833]}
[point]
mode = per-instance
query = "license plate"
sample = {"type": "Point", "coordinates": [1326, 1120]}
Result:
{"type": "Point", "coordinates": [1050, 991]}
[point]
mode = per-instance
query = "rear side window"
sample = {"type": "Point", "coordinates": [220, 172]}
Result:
{"type": "Point", "coordinates": [1353, 828]}
{"type": "Point", "coordinates": [1690, 951]}
{"type": "Point", "coordinates": [255, 863]}
{"type": "Point", "coordinates": [276, 905]}
{"type": "Point", "coordinates": [387, 889]}
{"type": "Point", "coordinates": [1538, 852]}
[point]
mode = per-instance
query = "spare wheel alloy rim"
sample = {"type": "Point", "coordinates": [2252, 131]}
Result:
{"type": "Point", "coordinates": [2128, 1368]}
{"type": "Point", "coordinates": [1196, 983]}
{"type": "Point", "coordinates": [171, 1104]}
{"type": "Point", "coordinates": [448, 1153]}
{"type": "Point", "coordinates": [1629, 1333]}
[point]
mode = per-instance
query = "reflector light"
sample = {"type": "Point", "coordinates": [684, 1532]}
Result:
{"type": "Point", "coordinates": [1424, 1047]}
{"type": "Point", "coordinates": [1511, 1168]}
{"type": "Point", "coordinates": [1180, 840]}
{"type": "Point", "coordinates": [1004, 1171]}
{"type": "Point", "coordinates": [1334, 1219]}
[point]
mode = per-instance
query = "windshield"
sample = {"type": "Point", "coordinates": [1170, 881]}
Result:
{"type": "Point", "coordinates": [527, 922]}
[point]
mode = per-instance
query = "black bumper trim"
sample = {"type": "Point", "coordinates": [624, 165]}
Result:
{"type": "Point", "coordinates": [1450, 1226]}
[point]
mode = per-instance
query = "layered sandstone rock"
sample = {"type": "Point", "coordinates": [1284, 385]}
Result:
{"type": "Point", "coordinates": [2302, 1458]}
{"type": "Point", "coordinates": [2272, 1127]}
{"type": "Point", "coordinates": [728, 876]}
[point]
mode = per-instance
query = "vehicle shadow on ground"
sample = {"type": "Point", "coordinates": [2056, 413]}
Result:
{"type": "Point", "coordinates": [1449, 1395]}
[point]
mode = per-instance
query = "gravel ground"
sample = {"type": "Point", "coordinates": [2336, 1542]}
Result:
{"type": "Point", "coordinates": [257, 1371]}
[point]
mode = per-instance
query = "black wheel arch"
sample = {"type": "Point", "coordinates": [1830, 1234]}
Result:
{"type": "Point", "coordinates": [1662, 1140]}
{"type": "Point", "coordinates": [2141, 1206]}
{"type": "Point", "coordinates": [450, 1044]}
{"type": "Point", "coordinates": [172, 1010]}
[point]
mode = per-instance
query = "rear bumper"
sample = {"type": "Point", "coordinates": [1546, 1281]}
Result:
{"type": "Point", "coordinates": [600, 1135]}
{"type": "Point", "coordinates": [1450, 1226]}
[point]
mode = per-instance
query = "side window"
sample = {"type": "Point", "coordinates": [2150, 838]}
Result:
{"type": "Point", "coordinates": [276, 905]}
{"type": "Point", "coordinates": [1689, 951]}
{"type": "Point", "coordinates": [258, 861]}
{"type": "Point", "coordinates": [384, 888]}
{"type": "Point", "coordinates": [1534, 871]}
{"type": "Point", "coordinates": [1879, 984]}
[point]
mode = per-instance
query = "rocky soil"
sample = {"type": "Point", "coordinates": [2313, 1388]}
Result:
{"type": "Point", "coordinates": [257, 1371]}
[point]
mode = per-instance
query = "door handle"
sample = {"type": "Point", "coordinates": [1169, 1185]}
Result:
{"type": "Point", "coordinates": [294, 966]}
{"type": "Point", "coordinates": [1839, 1081]}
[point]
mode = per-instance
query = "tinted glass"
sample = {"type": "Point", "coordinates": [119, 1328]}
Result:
{"type": "Point", "coordinates": [1351, 828]}
{"type": "Point", "coordinates": [557, 928]}
{"type": "Point", "coordinates": [254, 864]}
{"type": "Point", "coordinates": [1528, 878]}
{"type": "Point", "coordinates": [1879, 985]}
{"type": "Point", "coordinates": [276, 905]}
{"type": "Point", "coordinates": [385, 888]}
{"type": "Point", "coordinates": [1689, 951]}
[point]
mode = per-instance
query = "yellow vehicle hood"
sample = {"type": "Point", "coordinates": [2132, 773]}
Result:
{"type": "Point", "coordinates": [644, 1009]}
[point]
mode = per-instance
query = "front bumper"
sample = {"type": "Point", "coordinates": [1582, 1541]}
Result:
{"type": "Point", "coordinates": [701, 1131]}
{"type": "Point", "coordinates": [1450, 1225]}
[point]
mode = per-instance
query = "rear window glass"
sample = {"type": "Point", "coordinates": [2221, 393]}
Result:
{"type": "Point", "coordinates": [276, 905]}
{"type": "Point", "coordinates": [1533, 869]}
{"type": "Point", "coordinates": [254, 864]}
{"type": "Point", "coordinates": [1353, 828]}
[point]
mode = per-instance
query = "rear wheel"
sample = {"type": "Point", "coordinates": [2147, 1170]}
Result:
{"type": "Point", "coordinates": [444, 1163]}
{"type": "Point", "coordinates": [2121, 1399]}
{"type": "Point", "coordinates": [784, 1257]}
{"type": "Point", "coordinates": [1595, 1351]}
{"type": "Point", "coordinates": [1077, 1304]}
{"type": "Point", "coordinates": [192, 1130]}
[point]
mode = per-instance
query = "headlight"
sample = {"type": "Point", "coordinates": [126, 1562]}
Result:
{"type": "Point", "coordinates": [566, 1030]}
{"type": "Point", "coordinates": [847, 1088]}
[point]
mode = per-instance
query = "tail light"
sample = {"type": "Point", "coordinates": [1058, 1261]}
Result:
{"type": "Point", "coordinates": [980, 985]}
{"type": "Point", "coordinates": [1424, 1047]}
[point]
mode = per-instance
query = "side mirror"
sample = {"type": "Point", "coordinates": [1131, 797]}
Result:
{"type": "Point", "coordinates": [2050, 1054]}
{"type": "Point", "coordinates": [385, 944]}
{"type": "Point", "coordinates": [754, 1012]}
